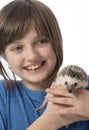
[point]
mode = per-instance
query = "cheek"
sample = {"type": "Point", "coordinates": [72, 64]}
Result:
{"type": "Point", "coordinates": [50, 56]}
{"type": "Point", "coordinates": [13, 61]}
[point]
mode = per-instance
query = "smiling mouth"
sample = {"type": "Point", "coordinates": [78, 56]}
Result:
{"type": "Point", "coordinates": [35, 67]}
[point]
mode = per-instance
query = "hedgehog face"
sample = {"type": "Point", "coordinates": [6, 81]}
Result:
{"type": "Point", "coordinates": [70, 83]}
{"type": "Point", "coordinates": [71, 86]}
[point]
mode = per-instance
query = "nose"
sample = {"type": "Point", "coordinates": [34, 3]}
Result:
{"type": "Point", "coordinates": [31, 53]}
{"type": "Point", "coordinates": [70, 90]}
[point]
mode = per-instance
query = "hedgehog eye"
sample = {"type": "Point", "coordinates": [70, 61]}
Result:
{"type": "Point", "coordinates": [66, 82]}
{"type": "Point", "coordinates": [75, 84]}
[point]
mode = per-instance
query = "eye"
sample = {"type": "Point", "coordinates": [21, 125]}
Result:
{"type": "Point", "coordinates": [75, 84]}
{"type": "Point", "coordinates": [66, 82]}
{"type": "Point", "coordinates": [17, 48]}
{"type": "Point", "coordinates": [42, 41]}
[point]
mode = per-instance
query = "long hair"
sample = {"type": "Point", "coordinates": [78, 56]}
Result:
{"type": "Point", "coordinates": [17, 17]}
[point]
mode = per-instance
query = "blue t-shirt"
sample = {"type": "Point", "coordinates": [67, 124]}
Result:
{"type": "Point", "coordinates": [17, 108]}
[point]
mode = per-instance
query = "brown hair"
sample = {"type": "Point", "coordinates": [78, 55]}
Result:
{"type": "Point", "coordinates": [17, 17]}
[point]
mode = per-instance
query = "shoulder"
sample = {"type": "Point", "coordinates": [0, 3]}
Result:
{"type": "Point", "coordinates": [5, 89]}
{"type": "Point", "coordinates": [88, 78]}
{"type": "Point", "coordinates": [2, 87]}
{"type": "Point", "coordinates": [88, 84]}
{"type": "Point", "coordinates": [2, 98]}
{"type": "Point", "coordinates": [3, 93]}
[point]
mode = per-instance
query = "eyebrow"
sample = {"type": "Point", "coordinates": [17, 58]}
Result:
{"type": "Point", "coordinates": [35, 38]}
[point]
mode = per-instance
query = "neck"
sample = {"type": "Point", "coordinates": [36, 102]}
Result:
{"type": "Point", "coordinates": [37, 86]}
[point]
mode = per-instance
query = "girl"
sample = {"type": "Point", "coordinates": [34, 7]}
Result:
{"type": "Point", "coordinates": [31, 44]}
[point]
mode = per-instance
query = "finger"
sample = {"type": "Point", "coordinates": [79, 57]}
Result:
{"type": "Point", "coordinates": [66, 111]}
{"type": "Point", "coordinates": [59, 91]}
{"type": "Point", "coordinates": [62, 100]}
{"type": "Point", "coordinates": [54, 85]}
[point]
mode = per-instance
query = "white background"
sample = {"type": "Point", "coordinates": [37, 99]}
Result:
{"type": "Point", "coordinates": [73, 18]}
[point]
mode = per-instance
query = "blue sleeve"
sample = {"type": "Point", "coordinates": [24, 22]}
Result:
{"type": "Point", "coordinates": [2, 106]}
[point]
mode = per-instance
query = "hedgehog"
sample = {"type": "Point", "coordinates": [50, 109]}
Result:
{"type": "Point", "coordinates": [71, 77]}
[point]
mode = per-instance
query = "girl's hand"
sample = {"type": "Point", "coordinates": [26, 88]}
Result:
{"type": "Point", "coordinates": [72, 106]}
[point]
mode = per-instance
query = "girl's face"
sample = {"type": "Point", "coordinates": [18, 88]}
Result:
{"type": "Point", "coordinates": [32, 58]}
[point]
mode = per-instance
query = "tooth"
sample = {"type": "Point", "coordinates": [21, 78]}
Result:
{"type": "Point", "coordinates": [37, 66]}
{"type": "Point", "coordinates": [34, 67]}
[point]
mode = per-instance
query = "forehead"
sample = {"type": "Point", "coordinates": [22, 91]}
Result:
{"type": "Point", "coordinates": [31, 33]}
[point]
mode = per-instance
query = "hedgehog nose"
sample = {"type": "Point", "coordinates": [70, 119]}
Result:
{"type": "Point", "coordinates": [70, 91]}
{"type": "Point", "coordinates": [70, 88]}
